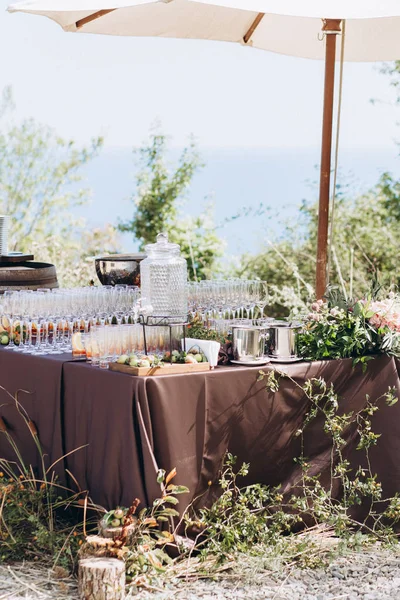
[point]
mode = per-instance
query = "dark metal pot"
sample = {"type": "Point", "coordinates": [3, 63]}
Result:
{"type": "Point", "coordinates": [119, 269]}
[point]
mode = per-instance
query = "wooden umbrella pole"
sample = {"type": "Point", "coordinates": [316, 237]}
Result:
{"type": "Point", "coordinates": [331, 28]}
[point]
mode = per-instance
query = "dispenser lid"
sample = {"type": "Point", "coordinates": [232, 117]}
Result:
{"type": "Point", "coordinates": [162, 246]}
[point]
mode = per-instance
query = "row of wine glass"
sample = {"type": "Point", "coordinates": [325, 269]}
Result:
{"type": "Point", "coordinates": [43, 321]}
{"type": "Point", "coordinates": [228, 297]}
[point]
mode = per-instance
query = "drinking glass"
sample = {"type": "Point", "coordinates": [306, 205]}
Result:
{"type": "Point", "coordinates": [94, 346]}
{"type": "Point", "coordinates": [104, 341]}
{"type": "Point", "coordinates": [9, 304]}
{"type": "Point", "coordinates": [263, 297]}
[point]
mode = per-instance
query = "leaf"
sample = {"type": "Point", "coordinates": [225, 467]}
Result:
{"type": "Point", "coordinates": [152, 558]}
{"type": "Point", "coordinates": [160, 475]}
{"type": "Point", "coordinates": [171, 500]}
{"type": "Point", "coordinates": [150, 522]}
{"type": "Point", "coordinates": [178, 489]}
{"type": "Point", "coordinates": [170, 476]}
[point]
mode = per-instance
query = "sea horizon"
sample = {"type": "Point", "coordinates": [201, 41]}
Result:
{"type": "Point", "coordinates": [236, 180]}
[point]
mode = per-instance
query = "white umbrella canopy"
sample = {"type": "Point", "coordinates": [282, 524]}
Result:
{"type": "Point", "coordinates": [305, 28]}
{"type": "Point", "coordinates": [290, 27]}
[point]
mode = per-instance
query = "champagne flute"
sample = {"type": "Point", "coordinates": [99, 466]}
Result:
{"type": "Point", "coordinates": [263, 297]}
{"type": "Point", "coordinates": [9, 308]}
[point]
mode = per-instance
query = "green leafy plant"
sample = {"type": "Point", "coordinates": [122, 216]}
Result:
{"type": "Point", "coordinates": [159, 545]}
{"type": "Point", "coordinates": [41, 184]}
{"type": "Point", "coordinates": [338, 328]}
{"type": "Point", "coordinates": [198, 330]}
{"type": "Point", "coordinates": [160, 190]}
{"type": "Point", "coordinates": [38, 516]}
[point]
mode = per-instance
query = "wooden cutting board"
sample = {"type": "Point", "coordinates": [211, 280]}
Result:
{"type": "Point", "coordinates": [167, 369]}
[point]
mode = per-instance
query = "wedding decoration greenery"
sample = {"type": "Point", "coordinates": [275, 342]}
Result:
{"type": "Point", "coordinates": [339, 328]}
{"type": "Point", "coordinates": [196, 329]}
{"type": "Point", "coordinates": [252, 519]}
{"type": "Point", "coordinates": [39, 517]}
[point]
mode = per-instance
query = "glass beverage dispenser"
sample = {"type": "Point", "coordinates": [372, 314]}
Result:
{"type": "Point", "coordinates": [163, 276]}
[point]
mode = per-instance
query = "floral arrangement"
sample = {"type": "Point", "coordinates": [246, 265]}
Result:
{"type": "Point", "coordinates": [336, 328]}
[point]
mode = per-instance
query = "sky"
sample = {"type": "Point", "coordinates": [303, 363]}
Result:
{"type": "Point", "coordinates": [256, 117]}
{"type": "Point", "coordinates": [228, 96]}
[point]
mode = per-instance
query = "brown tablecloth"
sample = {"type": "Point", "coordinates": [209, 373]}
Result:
{"type": "Point", "coordinates": [132, 426]}
{"type": "Point", "coordinates": [36, 383]}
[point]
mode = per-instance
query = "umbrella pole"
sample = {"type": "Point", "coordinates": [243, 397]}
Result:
{"type": "Point", "coordinates": [331, 28]}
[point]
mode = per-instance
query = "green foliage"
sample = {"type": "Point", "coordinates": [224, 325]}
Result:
{"type": "Point", "coordinates": [359, 485]}
{"type": "Point", "coordinates": [251, 519]}
{"type": "Point", "coordinates": [198, 331]}
{"type": "Point", "coordinates": [38, 516]}
{"type": "Point", "coordinates": [339, 328]}
{"type": "Point", "coordinates": [199, 243]}
{"type": "Point", "coordinates": [336, 335]}
{"type": "Point", "coordinates": [240, 520]}
{"type": "Point", "coordinates": [37, 173]}
{"type": "Point", "coordinates": [364, 247]}
{"type": "Point", "coordinates": [160, 189]}
{"type": "Point", "coordinates": [40, 183]}
{"type": "Point", "coordinates": [145, 555]}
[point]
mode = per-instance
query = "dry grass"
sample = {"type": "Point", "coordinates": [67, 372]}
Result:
{"type": "Point", "coordinates": [266, 571]}
{"type": "Point", "coordinates": [30, 580]}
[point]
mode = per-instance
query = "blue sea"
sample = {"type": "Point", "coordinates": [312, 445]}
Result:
{"type": "Point", "coordinates": [238, 182]}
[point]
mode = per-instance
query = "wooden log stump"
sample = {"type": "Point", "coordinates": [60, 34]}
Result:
{"type": "Point", "coordinates": [115, 532]}
{"type": "Point", "coordinates": [101, 579]}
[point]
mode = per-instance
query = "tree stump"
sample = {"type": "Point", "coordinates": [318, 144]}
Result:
{"type": "Point", "coordinates": [114, 532]}
{"type": "Point", "coordinates": [101, 579]}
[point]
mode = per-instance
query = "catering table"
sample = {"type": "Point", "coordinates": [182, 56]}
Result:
{"type": "Point", "coordinates": [124, 428]}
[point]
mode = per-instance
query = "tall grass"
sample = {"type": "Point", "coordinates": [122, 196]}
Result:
{"type": "Point", "coordinates": [40, 519]}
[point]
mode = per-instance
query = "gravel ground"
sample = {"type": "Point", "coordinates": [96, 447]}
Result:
{"type": "Point", "coordinates": [373, 574]}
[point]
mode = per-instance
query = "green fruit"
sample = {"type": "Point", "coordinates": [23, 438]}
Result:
{"type": "Point", "coordinates": [174, 358]}
{"type": "Point", "coordinates": [4, 340]}
{"type": "Point", "coordinates": [115, 523]}
{"type": "Point", "coordinates": [190, 359]}
{"type": "Point", "coordinates": [175, 353]}
{"type": "Point", "coordinates": [133, 362]}
{"type": "Point", "coordinates": [121, 360]}
{"type": "Point", "coordinates": [144, 363]}
{"type": "Point", "coordinates": [119, 514]}
{"type": "Point", "coordinates": [198, 358]}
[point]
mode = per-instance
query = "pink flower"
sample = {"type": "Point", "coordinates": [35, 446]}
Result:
{"type": "Point", "coordinates": [314, 317]}
{"type": "Point", "coordinates": [317, 306]}
{"type": "Point", "coordinates": [386, 313]}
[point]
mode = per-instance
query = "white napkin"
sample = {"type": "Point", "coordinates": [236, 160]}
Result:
{"type": "Point", "coordinates": [209, 348]}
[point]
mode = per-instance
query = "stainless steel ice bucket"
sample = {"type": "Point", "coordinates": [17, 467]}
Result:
{"type": "Point", "coordinates": [249, 343]}
{"type": "Point", "coordinates": [282, 341]}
